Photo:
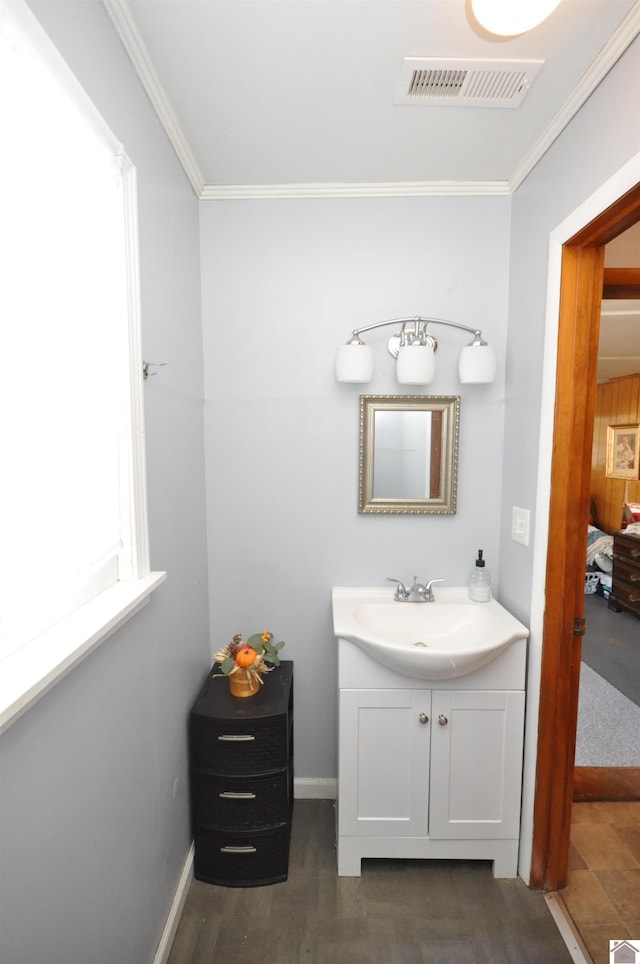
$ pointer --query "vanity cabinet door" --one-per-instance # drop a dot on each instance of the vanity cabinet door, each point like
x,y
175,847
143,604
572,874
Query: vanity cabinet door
x,y
384,762
476,762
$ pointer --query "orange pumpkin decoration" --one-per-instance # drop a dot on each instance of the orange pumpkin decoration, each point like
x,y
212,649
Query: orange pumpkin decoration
x,y
246,656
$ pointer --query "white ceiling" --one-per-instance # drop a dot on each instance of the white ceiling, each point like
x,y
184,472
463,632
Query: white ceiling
x,y
296,97
282,98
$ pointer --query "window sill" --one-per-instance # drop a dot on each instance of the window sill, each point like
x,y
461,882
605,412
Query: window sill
x,y
31,671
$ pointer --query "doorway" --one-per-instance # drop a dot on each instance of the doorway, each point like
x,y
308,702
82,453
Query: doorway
x,y
582,275
607,762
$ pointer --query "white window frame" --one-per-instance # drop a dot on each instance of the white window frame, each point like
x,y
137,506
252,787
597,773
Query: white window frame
x,y
30,671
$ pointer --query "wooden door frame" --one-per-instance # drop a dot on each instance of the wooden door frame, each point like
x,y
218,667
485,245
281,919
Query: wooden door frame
x,y
582,274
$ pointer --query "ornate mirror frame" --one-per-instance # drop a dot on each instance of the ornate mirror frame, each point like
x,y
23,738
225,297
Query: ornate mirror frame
x,y
442,483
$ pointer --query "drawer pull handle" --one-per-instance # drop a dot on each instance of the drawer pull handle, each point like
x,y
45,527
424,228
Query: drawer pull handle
x,y
442,720
235,737
230,795
238,850
423,718
635,577
635,553
634,599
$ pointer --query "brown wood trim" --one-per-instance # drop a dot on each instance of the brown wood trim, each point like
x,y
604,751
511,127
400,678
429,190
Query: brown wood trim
x,y
581,291
606,783
621,283
614,220
570,483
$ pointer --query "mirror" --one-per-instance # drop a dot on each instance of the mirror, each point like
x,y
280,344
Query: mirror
x,y
409,453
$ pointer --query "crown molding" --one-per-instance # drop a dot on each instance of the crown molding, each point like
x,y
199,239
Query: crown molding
x,y
135,47
606,59
234,192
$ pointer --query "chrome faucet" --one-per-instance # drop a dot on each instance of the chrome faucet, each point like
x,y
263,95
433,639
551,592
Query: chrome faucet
x,y
419,592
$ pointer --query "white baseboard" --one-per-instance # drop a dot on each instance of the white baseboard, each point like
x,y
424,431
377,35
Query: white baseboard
x,y
177,905
304,788
314,788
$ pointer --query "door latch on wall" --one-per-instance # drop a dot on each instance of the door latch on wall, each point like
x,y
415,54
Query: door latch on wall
x,y
148,365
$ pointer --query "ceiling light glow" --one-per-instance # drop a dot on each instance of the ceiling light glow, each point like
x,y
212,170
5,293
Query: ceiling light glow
x,y
506,18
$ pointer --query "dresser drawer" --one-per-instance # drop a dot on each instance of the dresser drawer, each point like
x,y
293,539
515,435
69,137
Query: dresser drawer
x,y
239,803
242,859
627,595
625,590
239,746
627,571
626,548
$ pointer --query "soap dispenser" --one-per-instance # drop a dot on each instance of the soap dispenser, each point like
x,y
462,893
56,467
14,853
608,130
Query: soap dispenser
x,y
480,581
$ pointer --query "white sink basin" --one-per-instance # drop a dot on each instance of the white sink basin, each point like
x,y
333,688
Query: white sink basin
x,y
450,637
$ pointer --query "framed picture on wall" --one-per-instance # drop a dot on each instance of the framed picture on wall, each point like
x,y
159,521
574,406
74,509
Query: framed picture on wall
x,y
623,452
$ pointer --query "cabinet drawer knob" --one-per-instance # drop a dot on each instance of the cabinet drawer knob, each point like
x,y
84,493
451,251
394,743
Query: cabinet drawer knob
x,y
230,795
423,718
237,850
634,599
635,577
635,553
442,720
235,737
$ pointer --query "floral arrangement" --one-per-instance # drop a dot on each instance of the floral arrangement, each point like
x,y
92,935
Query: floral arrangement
x,y
255,657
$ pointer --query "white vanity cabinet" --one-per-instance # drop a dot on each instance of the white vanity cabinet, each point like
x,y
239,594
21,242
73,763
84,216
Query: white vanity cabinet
x,y
384,763
430,769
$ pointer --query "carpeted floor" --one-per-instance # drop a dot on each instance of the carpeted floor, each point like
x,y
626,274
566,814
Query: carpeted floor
x,y
608,725
609,707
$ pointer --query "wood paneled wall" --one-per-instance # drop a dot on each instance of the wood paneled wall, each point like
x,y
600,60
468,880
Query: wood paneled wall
x,y
617,403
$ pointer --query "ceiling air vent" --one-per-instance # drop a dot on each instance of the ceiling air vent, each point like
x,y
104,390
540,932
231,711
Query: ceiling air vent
x,y
450,82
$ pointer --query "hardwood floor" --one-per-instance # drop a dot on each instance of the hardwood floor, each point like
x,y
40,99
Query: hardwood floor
x,y
397,912
603,888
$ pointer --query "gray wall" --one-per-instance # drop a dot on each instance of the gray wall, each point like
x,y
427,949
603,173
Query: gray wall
x,y
92,836
598,142
601,138
573,175
284,283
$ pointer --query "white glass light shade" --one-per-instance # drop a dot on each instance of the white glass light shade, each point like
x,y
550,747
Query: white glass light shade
x,y
477,365
506,18
415,365
354,363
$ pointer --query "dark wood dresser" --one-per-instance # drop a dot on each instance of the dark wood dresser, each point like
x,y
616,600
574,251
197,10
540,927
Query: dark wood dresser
x,y
625,590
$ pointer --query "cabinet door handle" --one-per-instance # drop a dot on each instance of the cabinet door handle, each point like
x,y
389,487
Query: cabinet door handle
x,y
442,720
230,795
635,577
237,850
634,599
235,737
423,718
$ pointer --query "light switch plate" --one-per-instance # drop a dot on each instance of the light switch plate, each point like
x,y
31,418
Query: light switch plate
x,y
520,524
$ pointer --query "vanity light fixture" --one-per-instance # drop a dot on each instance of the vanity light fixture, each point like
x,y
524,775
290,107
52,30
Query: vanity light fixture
x,y
508,18
414,349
